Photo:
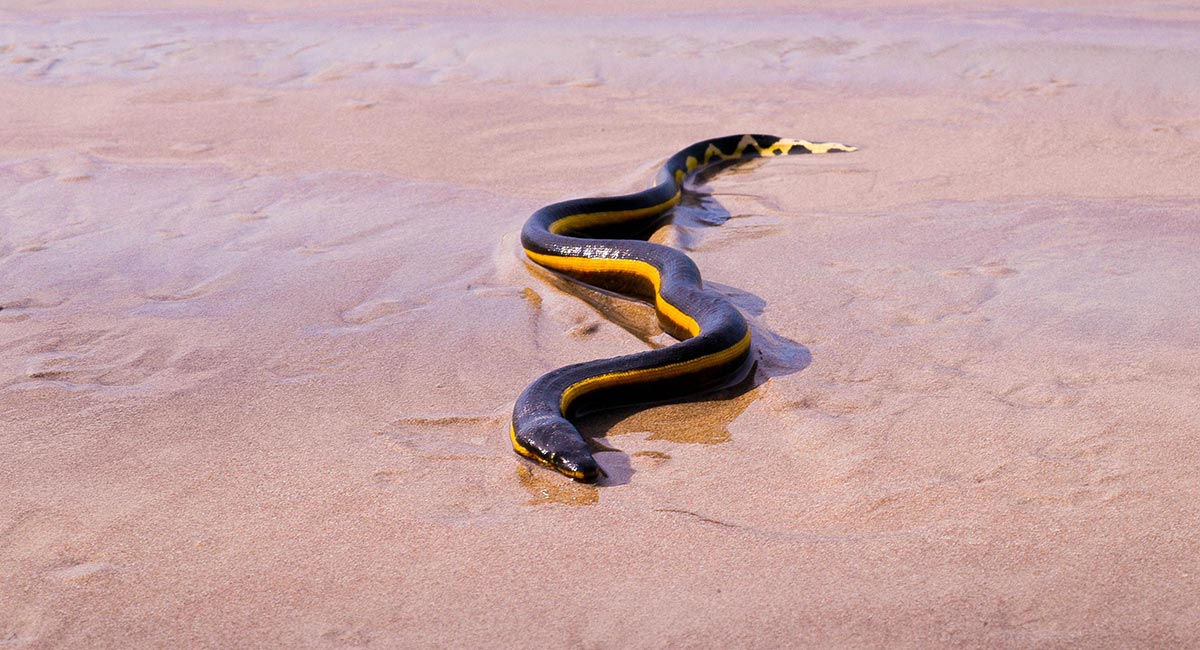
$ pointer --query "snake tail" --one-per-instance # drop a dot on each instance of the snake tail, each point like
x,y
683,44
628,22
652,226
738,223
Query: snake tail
x,y
574,238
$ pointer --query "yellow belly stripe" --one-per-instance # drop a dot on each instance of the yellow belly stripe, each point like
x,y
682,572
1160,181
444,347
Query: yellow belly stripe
x,y
671,312
521,449
668,371
592,219
634,267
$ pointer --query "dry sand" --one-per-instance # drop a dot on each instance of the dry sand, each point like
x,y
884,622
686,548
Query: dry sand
x,y
264,315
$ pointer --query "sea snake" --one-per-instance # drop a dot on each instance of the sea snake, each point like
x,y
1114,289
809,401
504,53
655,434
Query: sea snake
x,y
568,237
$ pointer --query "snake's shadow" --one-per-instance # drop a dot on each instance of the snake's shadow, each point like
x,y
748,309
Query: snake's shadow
x,y
702,418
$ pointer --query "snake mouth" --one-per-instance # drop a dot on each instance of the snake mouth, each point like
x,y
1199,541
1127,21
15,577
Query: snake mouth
x,y
584,469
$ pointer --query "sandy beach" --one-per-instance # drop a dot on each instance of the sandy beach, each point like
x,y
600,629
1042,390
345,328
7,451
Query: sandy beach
x,y
264,314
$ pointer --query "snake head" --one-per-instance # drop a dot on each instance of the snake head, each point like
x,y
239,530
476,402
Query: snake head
x,y
555,442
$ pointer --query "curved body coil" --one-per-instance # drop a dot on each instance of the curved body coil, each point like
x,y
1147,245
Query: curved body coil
x,y
714,338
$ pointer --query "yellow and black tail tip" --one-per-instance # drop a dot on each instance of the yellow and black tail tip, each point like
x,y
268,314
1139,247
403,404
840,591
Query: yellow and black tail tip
x,y
792,146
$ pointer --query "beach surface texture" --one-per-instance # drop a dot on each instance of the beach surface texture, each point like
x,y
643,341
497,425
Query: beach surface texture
x,y
264,314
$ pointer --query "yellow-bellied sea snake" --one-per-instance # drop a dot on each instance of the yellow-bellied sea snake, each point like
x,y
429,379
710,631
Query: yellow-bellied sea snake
x,y
714,338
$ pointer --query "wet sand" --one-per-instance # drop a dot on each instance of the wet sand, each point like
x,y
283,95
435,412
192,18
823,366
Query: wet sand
x,y
264,315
